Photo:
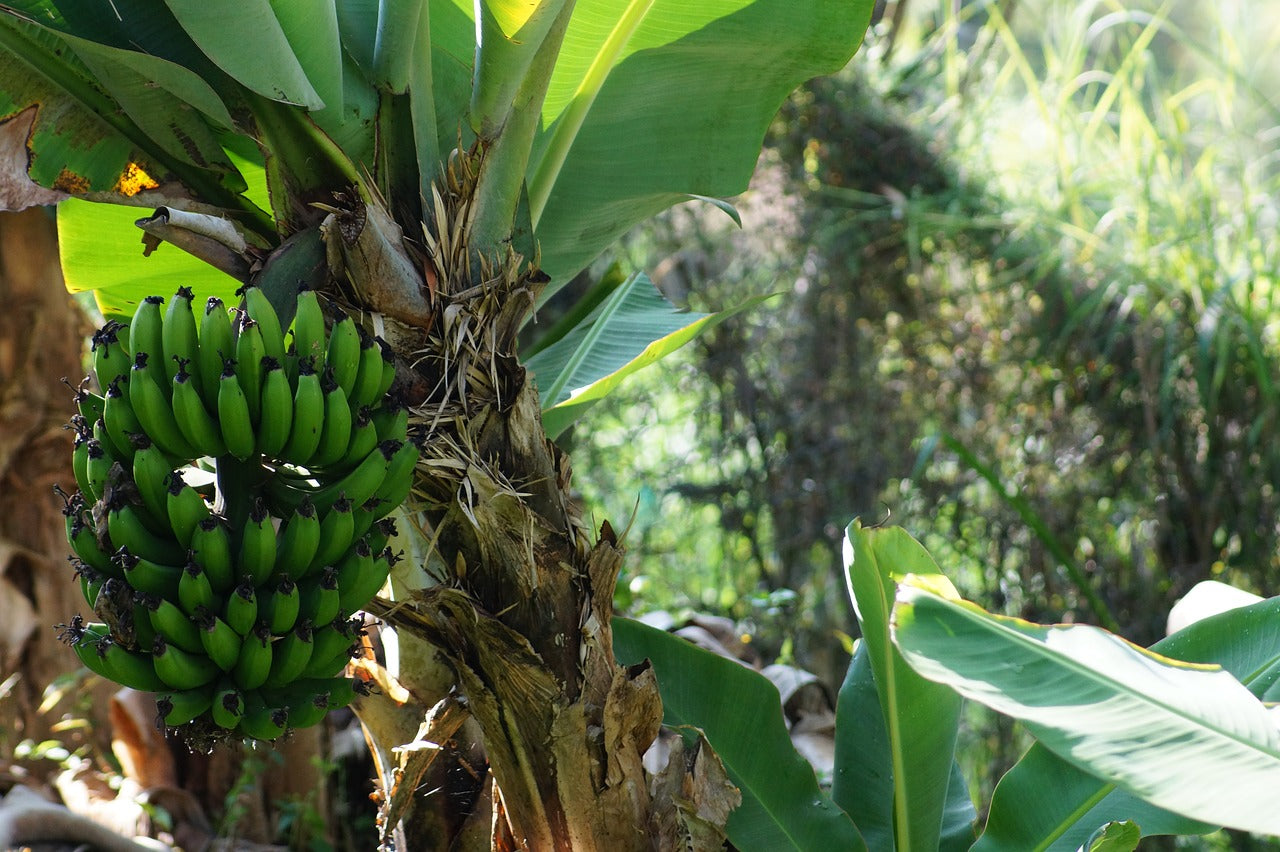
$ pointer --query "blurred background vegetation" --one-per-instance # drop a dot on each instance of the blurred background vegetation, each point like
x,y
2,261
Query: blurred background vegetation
x,y
1024,262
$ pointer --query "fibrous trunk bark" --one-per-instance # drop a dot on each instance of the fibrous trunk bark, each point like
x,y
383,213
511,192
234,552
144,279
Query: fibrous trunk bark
x,y
511,592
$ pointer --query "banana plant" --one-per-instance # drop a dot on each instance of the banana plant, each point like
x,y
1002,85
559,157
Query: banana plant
x,y
1177,739
441,168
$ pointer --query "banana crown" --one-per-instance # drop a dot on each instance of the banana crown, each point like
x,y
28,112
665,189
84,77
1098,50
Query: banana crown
x,y
234,484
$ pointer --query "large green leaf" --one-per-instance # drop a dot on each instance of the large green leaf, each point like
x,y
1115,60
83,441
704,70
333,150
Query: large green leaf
x,y
740,713
920,717
1185,737
244,38
863,777
101,251
654,100
1044,802
633,328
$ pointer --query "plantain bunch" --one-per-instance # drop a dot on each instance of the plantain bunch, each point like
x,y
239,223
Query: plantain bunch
x,y
232,509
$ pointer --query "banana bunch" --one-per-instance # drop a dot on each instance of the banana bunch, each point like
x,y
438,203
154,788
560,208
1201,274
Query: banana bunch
x,y
234,483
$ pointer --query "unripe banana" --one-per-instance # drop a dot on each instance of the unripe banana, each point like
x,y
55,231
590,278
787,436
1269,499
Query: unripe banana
x,y
91,581
84,542
178,708
178,669
146,333
383,531
397,483
306,708
242,608
320,599
261,311
227,708
93,645
211,550
194,420
178,333
111,359
299,541
261,722
392,422
97,468
154,412
253,666
257,546
366,516
151,469
220,642
185,508
194,591
217,346
361,575
176,625
149,576
80,466
233,414
127,530
343,354
90,405
361,483
364,390
279,607
388,368
336,434
277,409
308,329
248,365
119,419
332,648
291,654
147,366
114,606
308,417
364,437
336,530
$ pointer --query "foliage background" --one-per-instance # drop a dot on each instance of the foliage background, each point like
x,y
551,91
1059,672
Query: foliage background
x,y
1025,277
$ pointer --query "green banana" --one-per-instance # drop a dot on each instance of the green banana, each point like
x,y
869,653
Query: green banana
x,y
361,575
177,627
147,575
227,708
335,436
333,646
280,606
299,541
97,467
194,420
155,413
366,516
220,642
242,608
111,359
87,403
320,597
343,354
185,509
119,419
364,437
257,546
308,329
233,414
114,605
306,708
364,390
194,590
147,366
84,543
178,334
388,368
392,422
125,667
337,528
291,654
151,471
361,483
260,310
250,351
397,483
127,530
253,666
178,708
308,416
211,550
217,345
80,460
146,333
261,722
91,581
277,409
178,669
383,531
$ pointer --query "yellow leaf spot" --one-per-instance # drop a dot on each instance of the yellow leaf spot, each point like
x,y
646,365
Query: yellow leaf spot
x,y
134,180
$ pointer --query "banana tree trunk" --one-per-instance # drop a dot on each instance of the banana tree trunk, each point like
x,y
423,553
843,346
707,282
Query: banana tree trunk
x,y
513,593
